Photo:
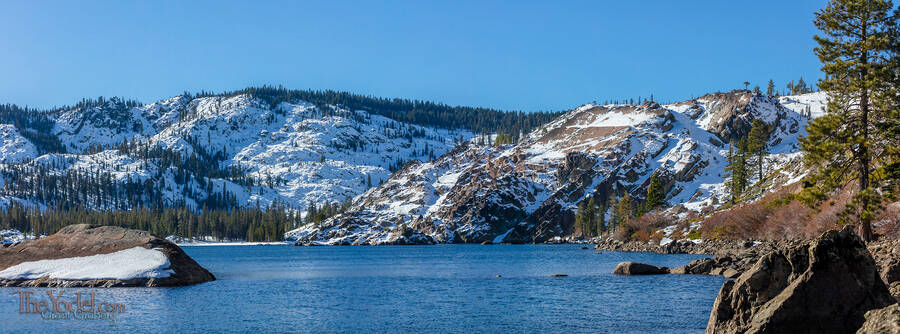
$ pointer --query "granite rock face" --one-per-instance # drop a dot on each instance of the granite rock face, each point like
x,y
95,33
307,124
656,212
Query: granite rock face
x,y
85,240
887,256
882,321
825,285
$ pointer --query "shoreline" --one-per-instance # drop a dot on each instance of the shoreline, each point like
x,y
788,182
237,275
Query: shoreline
x,y
232,243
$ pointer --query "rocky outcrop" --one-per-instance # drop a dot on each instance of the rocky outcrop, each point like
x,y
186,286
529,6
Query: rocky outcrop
x,y
684,246
634,268
84,240
732,262
882,321
825,285
886,253
725,266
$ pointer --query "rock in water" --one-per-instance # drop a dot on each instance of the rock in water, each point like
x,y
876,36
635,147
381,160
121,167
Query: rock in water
x,y
882,321
825,285
634,268
106,256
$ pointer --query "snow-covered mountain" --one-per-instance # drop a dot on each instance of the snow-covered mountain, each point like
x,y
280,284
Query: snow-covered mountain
x,y
292,152
529,191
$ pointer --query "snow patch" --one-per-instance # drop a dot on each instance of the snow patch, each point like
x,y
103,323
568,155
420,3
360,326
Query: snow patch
x,y
137,262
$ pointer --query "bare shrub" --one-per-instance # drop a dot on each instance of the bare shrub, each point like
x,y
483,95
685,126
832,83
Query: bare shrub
x,y
644,228
888,222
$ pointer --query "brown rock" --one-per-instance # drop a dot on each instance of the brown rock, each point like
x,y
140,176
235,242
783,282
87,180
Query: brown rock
x,y
86,240
822,286
882,321
634,268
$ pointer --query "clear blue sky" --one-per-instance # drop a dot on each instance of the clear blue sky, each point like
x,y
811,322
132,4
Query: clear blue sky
x,y
520,55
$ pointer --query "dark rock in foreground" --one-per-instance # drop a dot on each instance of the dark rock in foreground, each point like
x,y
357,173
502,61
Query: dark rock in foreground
x,y
825,285
882,321
635,268
84,240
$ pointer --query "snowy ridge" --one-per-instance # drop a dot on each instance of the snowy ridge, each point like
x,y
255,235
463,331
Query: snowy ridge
x,y
296,153
528,192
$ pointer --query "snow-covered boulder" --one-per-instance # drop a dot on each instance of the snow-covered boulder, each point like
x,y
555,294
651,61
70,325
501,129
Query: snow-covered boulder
x,y
107,256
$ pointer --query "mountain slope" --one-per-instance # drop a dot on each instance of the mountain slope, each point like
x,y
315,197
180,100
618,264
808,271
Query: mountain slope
x,y
530,191
220,150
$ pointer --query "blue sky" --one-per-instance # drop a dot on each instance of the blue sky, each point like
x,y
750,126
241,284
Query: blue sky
x,y
521,55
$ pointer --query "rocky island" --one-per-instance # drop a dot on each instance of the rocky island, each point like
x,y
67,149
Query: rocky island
x,y
98,256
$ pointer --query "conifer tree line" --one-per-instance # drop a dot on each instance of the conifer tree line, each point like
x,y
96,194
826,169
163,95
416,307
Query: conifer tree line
x,y
797,87
746,159
590,215
427,113
590,218
250,224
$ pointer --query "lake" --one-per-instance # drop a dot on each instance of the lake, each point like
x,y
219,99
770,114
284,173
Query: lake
x,y
365,289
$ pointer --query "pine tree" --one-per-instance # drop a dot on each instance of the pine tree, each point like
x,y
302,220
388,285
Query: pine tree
x,y
757,144
599,218
800,88
770,91
655,196
613,205
746,85
590,217
858,50
580,217
624,210
736,168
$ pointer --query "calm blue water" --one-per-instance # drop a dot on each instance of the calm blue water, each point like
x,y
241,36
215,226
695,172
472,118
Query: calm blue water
x,y
444,288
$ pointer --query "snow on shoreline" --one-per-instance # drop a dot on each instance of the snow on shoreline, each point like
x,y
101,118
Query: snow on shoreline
x,y
210,241
231,243
137,262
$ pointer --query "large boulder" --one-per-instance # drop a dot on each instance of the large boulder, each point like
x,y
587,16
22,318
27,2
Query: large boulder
x,y
882,321
825,285
106,256
635,268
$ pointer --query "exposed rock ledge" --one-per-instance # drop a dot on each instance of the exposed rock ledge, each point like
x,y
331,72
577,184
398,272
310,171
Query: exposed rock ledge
x,y
678,246
81,244
825,285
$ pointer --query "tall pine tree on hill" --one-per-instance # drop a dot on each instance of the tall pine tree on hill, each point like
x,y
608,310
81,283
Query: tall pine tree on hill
x,y
757,144
858,50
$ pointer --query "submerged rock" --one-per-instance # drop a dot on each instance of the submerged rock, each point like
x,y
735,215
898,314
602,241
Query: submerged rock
x,y
84,245
635,268
825,285
882,321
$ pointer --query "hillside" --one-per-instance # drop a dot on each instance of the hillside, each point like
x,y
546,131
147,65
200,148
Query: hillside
x,y
250,148
530,191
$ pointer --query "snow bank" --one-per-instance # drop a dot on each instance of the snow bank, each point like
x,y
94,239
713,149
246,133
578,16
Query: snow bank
x,y
137,262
